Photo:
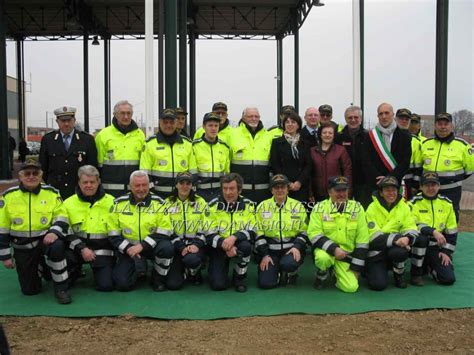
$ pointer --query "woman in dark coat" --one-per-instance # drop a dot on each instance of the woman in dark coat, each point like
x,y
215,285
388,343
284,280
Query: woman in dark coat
x,y
23,150
328,160
289,156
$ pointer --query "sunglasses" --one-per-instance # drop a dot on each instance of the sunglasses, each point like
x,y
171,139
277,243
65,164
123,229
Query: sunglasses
x,y
30,173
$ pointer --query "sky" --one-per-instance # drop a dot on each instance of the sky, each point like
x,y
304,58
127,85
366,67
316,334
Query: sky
x,y
399,66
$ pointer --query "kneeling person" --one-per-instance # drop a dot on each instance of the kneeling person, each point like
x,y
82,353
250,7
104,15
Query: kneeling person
x,y
439,230
34,223
338,233
87,211
392,231
139,230
281,240
232,220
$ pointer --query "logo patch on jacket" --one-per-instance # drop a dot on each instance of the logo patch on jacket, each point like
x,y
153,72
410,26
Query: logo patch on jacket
x,y
44,220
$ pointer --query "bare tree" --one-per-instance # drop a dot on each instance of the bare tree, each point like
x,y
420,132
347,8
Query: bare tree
x,y
463,121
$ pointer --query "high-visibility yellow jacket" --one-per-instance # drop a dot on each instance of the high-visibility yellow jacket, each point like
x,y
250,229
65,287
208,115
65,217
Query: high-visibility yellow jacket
x,y
281,227
212,161
250,156
451,159
188,219
27,216
436,214
118,155
131,222
163,161
388,224
237,219
342,226
88,223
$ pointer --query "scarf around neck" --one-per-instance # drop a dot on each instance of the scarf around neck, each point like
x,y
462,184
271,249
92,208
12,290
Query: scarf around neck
x,y
387,133
293,141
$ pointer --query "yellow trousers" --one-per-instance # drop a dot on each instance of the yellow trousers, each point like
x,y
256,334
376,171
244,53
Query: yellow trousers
x,y
346,281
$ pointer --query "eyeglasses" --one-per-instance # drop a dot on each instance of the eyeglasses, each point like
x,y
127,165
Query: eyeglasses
x,y
353,118
30,173
122,113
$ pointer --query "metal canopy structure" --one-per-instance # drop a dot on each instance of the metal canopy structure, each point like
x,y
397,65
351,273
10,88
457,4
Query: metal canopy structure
x,y
67,19
188,20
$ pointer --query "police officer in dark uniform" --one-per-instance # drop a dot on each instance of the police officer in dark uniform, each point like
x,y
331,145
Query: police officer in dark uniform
x,y
64,151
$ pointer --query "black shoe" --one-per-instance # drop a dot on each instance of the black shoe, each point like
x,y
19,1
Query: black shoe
x,y
292,279
283,278
195,279
416,281
240,285
158,287
63,297
318,283
399,281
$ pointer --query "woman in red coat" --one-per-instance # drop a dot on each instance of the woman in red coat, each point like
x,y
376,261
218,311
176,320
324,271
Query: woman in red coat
x,y
328,160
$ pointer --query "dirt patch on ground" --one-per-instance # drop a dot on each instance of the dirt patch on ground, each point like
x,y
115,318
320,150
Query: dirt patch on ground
x,y
379,332
434,331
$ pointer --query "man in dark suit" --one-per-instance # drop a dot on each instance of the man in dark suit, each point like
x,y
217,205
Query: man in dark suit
x,y
309,133
64,151
388,149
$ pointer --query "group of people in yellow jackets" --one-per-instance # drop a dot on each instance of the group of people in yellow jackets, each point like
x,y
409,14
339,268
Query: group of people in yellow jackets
x,y
207,202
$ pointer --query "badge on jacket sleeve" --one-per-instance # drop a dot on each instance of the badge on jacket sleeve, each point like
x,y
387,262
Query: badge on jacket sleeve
x,y
371,225
2,203
44,220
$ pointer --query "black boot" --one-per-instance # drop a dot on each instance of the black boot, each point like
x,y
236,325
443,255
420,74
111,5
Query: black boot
x,y
399,280
416,280
239,284
62,296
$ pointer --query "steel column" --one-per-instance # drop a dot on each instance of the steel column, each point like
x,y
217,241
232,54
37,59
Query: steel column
x,y
297,69
20,88
183,74
171,9
107,103
86,79
161,76
441,81
192,83
279,77
4,166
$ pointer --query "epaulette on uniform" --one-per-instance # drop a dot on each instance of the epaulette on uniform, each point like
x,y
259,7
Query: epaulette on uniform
x,y
416,198
199,140
416,137
150,138
51,132
442,197
11,189
427,140
273,127
213,201
122,198
461,140
222,142
186,138
157,198
50,188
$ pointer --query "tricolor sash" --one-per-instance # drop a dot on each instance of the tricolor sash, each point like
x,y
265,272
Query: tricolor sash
x,y
382,150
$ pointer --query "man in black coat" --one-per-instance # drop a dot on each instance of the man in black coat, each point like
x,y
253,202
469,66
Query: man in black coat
x,y
353,137
388,149
64,151
309,133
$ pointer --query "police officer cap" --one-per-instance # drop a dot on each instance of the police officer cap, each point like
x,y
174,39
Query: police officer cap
x,y
279,179
30,163
219,105
389,181
184,176
339,183
168,113
211,116
287,109
415,117
325,109
403,112
429,177
180,111
65,111
444,116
